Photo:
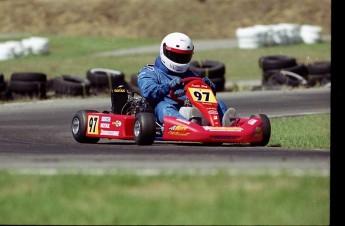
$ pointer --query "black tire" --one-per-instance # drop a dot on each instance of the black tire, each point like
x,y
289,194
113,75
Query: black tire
x,y
79,125
71,85
144,128
208,68
276,62
5,91
101,78
299,69
29,88
3,86
266,130
269,75
220,84
319,68
2,78
29,76
134,80
320,79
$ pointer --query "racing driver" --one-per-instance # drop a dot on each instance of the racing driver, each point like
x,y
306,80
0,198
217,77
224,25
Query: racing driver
x,y
170,67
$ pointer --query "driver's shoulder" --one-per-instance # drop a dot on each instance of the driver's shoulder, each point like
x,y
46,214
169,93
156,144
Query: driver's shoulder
x,y
148,67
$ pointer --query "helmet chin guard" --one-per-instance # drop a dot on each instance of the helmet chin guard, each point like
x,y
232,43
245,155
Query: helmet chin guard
x,y
176,52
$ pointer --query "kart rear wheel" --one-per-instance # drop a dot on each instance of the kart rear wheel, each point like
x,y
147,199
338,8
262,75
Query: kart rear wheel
x,y
144,128
79,125
266,130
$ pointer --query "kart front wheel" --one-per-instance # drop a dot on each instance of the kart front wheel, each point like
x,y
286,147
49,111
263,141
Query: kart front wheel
x,y
144,129
79,125
266,130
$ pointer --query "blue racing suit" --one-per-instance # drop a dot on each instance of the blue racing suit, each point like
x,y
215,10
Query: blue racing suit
x,y
153,82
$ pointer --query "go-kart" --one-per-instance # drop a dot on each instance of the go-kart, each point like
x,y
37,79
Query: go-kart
x,y
135,121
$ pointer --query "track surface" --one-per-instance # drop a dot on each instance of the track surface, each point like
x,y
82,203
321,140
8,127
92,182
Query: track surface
x,y
36,137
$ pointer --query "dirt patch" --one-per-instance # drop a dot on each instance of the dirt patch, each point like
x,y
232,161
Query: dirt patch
x,y
201,19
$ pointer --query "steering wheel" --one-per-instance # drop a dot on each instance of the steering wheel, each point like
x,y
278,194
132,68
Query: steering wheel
x,y
185,81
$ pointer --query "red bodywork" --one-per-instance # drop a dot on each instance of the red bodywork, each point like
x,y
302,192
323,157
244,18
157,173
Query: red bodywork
x,y
246,130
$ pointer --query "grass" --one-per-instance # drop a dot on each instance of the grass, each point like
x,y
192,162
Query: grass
x,y
305,132
282,199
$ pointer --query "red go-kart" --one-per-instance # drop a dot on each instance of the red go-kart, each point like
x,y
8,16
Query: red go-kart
x,y
136,121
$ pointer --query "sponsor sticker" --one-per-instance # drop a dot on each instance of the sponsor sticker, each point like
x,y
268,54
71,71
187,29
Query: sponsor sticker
x,y
178,133
252,121
178,128
105,125
117,123
232,129
110,133
105,119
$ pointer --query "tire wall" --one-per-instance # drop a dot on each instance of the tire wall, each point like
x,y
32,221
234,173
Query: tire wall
x,y
285,70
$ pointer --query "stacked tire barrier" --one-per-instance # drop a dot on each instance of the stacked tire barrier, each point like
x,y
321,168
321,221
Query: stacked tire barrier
x,y
102,79
31,84
69,85
214,70
280,34
36,85
278,70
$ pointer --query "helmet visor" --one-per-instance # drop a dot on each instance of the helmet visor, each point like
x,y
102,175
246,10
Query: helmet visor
x,y
177,55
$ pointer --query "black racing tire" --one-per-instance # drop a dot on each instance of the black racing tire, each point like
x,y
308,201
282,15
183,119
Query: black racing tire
x,y
208,68
266,130
29,76
79,126
71,86
144,128
276,62
29,88
104,78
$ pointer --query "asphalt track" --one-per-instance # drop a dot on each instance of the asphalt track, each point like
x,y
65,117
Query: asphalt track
x,y
36,137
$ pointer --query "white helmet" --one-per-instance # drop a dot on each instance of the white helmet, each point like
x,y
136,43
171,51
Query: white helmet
x,y
176,52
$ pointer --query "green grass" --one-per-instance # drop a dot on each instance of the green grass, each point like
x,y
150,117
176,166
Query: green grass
x,y
75,55
284,199
305,132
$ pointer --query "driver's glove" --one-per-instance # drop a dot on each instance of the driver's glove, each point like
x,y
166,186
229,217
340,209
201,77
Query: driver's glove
x,y
180,94
209,83
176,83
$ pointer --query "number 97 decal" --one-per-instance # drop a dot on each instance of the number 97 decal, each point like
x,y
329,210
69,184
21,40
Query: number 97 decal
x,y
202,95
92,125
